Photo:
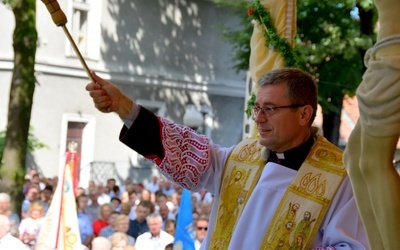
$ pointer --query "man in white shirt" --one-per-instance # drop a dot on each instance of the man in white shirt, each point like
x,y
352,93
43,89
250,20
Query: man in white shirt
x,y
7,241
103,198
168,188
155,239
153,185
201,232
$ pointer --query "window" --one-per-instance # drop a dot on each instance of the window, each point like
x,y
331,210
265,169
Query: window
x,y
84,18
80,25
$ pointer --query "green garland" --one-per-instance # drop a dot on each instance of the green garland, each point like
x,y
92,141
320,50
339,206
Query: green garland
x,y
272,39
250,103
261,15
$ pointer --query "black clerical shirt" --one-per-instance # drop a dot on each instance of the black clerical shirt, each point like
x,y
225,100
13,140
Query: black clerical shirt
x,y
293,158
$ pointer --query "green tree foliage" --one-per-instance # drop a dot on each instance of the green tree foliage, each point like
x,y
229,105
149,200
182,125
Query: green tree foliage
x,y
330,45
332,37
12,169
33,142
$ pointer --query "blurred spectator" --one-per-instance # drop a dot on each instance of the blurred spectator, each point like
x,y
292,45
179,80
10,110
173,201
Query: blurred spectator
x,y
111,183
139,188
101,243
201,231
29,227
102,221
176,200
31,196
93,209
170,226
27,184
161,183
7,241
84,221
133,201
79,191
103,196
125,208
160,197
165,214
5,209
53,181
204,209
195,216
115,192
203,196
156,238
168,188
169,246
153,185
127,183
30,174
91,185
139,226
122,226
119,241
146,195
45,195
124,196
116,204
35,180
110,229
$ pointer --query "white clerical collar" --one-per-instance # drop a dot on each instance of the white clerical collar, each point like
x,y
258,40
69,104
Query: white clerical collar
x,y
281,156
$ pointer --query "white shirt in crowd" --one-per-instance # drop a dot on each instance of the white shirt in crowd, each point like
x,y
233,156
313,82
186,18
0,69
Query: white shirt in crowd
x,y
10,242
146,241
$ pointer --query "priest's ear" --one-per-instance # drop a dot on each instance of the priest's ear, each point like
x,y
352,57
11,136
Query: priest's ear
x,y
306,115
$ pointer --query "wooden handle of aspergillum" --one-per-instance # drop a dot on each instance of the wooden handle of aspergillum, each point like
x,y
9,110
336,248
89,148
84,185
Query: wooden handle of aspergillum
x,y
57,14
60,19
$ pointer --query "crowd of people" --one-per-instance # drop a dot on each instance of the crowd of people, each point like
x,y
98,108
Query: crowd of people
x,y
110,216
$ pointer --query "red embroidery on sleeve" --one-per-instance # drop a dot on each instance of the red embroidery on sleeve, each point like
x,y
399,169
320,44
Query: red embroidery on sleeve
x,y
186,152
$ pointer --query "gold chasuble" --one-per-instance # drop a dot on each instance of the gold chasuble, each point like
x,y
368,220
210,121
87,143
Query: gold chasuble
x,y
312,190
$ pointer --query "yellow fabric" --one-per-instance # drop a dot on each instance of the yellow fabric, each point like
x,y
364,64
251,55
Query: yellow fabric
x,y
312,189
283,17
61,229
240,176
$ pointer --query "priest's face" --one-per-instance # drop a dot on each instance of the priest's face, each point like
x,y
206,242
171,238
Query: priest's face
x,y
282,128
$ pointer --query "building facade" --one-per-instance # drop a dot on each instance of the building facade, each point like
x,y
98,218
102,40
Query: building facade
x,y
166,55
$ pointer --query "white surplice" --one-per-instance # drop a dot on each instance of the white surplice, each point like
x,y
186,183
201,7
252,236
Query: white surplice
x,y
194,162
342,227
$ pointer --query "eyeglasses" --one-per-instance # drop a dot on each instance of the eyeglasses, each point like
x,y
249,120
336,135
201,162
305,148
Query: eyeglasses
x,y
270,110
202,228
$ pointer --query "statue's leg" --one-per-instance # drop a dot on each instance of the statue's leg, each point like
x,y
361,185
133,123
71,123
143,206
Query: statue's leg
x,y
383,184
376,183
360,186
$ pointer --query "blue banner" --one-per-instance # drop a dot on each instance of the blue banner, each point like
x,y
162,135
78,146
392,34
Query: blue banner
x,y
184,234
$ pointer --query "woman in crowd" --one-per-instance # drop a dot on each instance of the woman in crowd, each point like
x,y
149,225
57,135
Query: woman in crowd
x,y
102,221
30,226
